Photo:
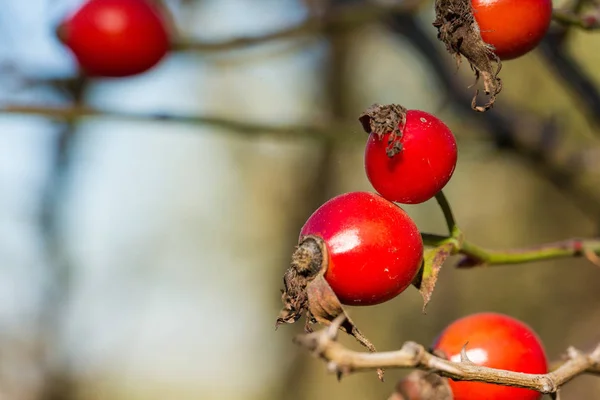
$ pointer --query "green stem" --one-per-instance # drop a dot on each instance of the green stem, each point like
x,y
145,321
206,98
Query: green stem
x,y
547,251
448,215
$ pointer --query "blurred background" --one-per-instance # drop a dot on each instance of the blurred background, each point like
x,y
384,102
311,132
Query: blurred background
x,y
142,249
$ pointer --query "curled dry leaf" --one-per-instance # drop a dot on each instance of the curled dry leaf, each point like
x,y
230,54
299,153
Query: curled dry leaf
x,y
460,33
433,259
307,292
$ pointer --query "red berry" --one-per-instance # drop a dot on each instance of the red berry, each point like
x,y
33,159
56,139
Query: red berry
x,y
375,249
495,341
116,38
422,167
513,27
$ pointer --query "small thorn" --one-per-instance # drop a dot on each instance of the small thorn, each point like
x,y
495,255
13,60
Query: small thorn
x,y
463,354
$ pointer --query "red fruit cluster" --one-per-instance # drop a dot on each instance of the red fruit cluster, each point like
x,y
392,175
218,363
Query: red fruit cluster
x,y
361,249
116,38
369,250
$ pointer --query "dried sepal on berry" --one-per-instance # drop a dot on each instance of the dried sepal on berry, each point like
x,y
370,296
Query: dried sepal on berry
x,y
460,33
307,292
382,119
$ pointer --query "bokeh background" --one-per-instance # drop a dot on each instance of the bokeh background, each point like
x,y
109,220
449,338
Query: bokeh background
x,y
142,250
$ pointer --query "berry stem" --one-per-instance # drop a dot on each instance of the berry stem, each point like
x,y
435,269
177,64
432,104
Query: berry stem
x,y
478,256
448,215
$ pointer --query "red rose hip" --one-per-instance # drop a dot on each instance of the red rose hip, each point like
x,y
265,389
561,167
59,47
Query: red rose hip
x,y
513,27
116,38
410,157
496,341
374,248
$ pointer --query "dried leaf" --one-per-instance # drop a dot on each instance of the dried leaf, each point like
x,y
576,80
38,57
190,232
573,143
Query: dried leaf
x,y
433,259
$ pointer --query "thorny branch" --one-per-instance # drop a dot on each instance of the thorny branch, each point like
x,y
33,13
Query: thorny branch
x,y
343,361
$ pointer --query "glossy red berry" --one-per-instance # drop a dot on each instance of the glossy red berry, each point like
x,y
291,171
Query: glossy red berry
x,y
513,27
375,249
496,341
116,38
423,165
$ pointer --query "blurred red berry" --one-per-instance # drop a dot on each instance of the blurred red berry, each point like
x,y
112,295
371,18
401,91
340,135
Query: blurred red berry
x,y
375,249
513,27
423,165
116,38
496,341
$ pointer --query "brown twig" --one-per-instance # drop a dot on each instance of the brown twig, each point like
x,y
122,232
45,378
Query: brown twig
x,y
340,18
341,360
569,18
70,113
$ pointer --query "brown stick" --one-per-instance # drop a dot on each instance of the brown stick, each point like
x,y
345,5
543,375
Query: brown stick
x,y
342,360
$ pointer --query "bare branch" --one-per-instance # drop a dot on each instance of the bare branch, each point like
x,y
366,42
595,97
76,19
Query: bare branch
x,y
569,18
69,113
341,360
339,18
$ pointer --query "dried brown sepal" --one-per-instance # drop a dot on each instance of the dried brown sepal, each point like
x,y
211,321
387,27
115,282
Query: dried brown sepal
x,y
307,292
307,261
433,259
422,385
460,33
382,119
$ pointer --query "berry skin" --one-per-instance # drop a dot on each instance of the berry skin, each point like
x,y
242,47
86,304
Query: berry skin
x,y
496,341
513,27
116,38
375,249
422,167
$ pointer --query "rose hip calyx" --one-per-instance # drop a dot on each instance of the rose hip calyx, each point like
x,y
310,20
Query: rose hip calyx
x,y
381,119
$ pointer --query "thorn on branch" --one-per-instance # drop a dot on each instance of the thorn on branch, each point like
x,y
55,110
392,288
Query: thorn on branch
x,y
464,358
